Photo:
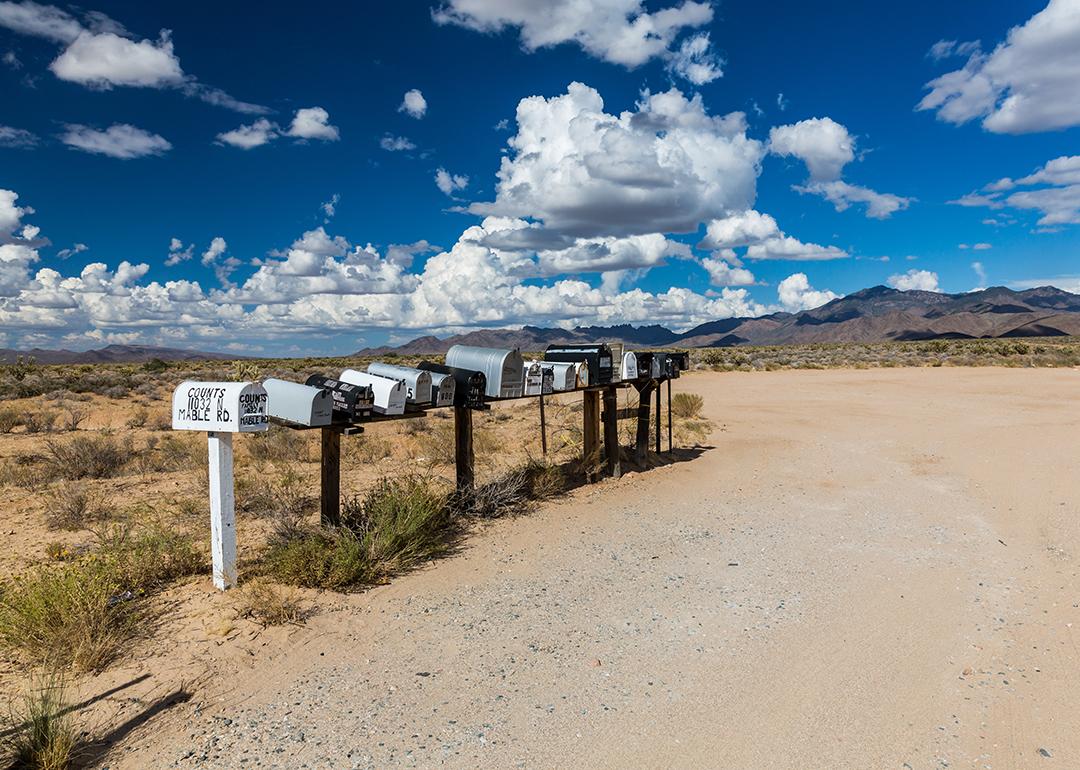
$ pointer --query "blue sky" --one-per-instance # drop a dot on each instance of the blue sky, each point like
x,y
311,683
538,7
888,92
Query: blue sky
x,y
225,177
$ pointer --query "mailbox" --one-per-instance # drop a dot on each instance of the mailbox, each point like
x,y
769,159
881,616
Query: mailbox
x,y
662,365
504,370
547,382
563,375
443,389
534,379
299,404
469,386
682,362
219,407
617,350
596,357
350,402
648,365
582,373
389,392
629,366
417,381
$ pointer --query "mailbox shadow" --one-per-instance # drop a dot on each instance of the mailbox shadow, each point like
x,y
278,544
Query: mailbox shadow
x,y
93,752
575,476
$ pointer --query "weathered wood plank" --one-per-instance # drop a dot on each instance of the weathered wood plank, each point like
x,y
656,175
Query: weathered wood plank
x,y
330,479
611,432
463,448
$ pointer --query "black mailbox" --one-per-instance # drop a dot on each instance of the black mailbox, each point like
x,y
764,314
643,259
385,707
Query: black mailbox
x,y
645,364
664,365
596,357
351,402
469,387
682,361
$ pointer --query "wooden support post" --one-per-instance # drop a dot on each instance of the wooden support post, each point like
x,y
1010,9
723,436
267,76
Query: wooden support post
x,y
222,509
543,426
658,417
641,443
330,481
590,431
611,431
669,444
463,448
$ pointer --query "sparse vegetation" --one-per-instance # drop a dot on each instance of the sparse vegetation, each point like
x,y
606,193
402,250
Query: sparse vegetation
x,y
268,604
89,457
10,419
511,490
686,405
39,422
44,735
74,506
278,445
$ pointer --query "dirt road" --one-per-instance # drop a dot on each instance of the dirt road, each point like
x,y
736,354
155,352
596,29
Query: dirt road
x,y
867,569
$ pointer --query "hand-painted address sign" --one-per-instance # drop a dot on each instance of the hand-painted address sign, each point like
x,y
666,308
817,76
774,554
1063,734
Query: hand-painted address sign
x,y
222,407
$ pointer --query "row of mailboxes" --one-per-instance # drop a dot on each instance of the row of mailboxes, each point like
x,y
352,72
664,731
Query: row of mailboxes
x,y
503,370
390,394
597,359
351,402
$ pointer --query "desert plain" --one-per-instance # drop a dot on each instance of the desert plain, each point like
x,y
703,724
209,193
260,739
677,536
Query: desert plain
x,y
849,569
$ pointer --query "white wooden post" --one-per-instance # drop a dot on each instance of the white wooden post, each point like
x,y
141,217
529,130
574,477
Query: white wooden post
x,y
222,509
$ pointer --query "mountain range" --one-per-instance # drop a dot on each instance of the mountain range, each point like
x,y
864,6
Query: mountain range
x,y
872,315
876,314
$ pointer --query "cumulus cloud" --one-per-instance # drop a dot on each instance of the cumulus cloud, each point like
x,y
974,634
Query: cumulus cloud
x,y
307,123
826,146
120,140
1054,191
178,252
413,103
448,183
1030,82
914,280
313,123
617,31
796,294
17,138
99,53
722,273
763,239
329,208
665,167
392,143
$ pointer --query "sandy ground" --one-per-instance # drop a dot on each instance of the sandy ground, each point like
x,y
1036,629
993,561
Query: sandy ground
x,y
864,569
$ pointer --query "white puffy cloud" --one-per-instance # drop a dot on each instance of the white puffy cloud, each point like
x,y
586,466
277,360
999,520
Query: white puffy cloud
x,y
329,208
98,52
796,294
616,31
582,172
610,254
980,273
120,140
10,214
448,183
826,146
722,273
914,280
178,252
1055,193
413,103
1030,82
261,132
16,138
392,143
313,123
763,239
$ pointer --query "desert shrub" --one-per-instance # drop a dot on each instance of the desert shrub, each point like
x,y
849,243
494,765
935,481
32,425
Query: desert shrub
x,y
75,505
24,472
73,416
138,417
511,491
160,421
181,453
115,391
267,604
143,559
88,457
366,448
321,559
10,419
155,366
285,499
686,405
43,732
40,422
415,426
278,445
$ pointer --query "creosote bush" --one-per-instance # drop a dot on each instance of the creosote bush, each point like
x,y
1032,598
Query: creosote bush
x,y
88,457
686,405
75,505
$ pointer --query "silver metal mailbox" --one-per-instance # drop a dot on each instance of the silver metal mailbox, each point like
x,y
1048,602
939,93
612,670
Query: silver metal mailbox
x,y
629,368
563,375
443,388
504,369
617,349
417,381
389,393
534,379
299,404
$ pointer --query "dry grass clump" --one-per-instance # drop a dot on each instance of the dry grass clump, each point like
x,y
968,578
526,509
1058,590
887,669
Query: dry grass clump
x,y
10,419
138,417
43,733
394,526
43,421
285,499
686,405
89,457
81,613
267,604
24,471
511,490
278,445
74,506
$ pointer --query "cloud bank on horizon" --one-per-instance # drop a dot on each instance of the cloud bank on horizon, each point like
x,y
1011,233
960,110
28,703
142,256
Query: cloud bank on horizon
x,y
652,213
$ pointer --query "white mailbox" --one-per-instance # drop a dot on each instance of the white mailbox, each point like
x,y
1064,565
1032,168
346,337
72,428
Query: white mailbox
x,y
219,407
299,404
618,349
629,370
390,394
582,373
564,374
417,381
534,378
443,388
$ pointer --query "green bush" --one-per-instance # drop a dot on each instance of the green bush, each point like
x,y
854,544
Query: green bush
x,y
44,736
89,457
686,405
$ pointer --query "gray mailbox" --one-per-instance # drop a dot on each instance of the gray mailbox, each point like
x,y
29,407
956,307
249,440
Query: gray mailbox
x,y
617,350
443,389
298,404
417,381
503,369
389,392
534,379
563,375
